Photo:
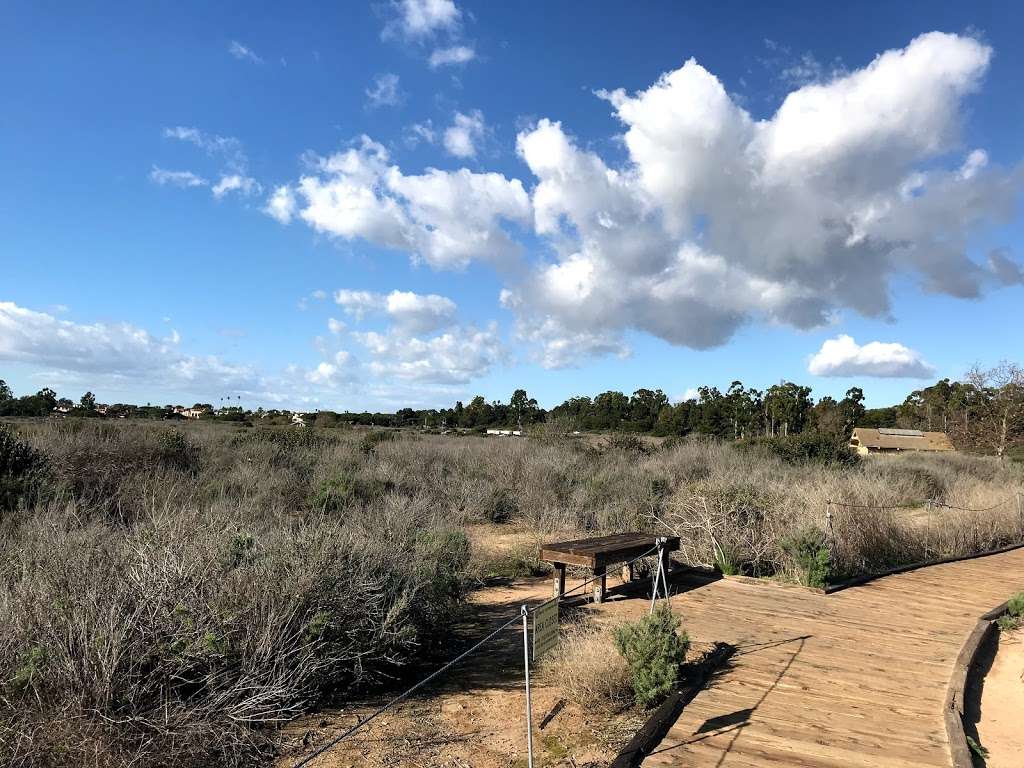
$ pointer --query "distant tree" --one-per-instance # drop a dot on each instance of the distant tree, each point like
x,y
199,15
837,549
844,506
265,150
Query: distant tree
x,y
523,408
5,392
644,407
996,420
88,402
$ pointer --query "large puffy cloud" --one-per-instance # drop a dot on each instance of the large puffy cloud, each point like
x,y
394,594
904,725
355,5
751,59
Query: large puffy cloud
x,y
715,219
114,352
842,356
718,219
446,218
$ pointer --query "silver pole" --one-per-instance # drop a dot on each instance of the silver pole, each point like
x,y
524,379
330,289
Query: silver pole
x,y
529,708
657,576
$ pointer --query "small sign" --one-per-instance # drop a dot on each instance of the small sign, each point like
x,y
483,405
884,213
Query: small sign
x,y
545,629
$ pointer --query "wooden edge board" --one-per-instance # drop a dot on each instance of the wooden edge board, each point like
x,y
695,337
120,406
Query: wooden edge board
x,y
664,717
963,669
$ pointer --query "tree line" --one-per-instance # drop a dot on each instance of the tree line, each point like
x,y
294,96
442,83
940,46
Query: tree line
x,y
984,411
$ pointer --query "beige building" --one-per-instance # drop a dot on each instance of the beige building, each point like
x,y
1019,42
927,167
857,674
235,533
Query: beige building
x,y
884,440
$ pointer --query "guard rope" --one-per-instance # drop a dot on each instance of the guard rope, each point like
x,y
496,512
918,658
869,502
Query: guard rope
x,y
329,745
911,505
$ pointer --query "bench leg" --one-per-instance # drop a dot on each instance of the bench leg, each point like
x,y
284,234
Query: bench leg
x,y
559,579
600,584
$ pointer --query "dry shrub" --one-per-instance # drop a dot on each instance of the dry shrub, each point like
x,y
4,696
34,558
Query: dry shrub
x,y
588,668
173,588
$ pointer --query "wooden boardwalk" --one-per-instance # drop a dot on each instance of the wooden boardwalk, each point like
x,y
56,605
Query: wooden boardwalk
x,y
857,678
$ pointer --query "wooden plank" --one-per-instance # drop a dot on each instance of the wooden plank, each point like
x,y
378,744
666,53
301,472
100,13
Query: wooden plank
x,y
856,678
604,550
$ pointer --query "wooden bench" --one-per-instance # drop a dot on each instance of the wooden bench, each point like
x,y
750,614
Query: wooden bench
x,y
599,552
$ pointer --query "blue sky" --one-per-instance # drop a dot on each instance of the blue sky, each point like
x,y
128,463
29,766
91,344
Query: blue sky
x,y
193,193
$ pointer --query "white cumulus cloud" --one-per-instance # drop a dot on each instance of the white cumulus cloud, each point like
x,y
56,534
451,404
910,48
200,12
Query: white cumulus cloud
x,y
113,352
417,19
281,205
446,218
842,356
713,219
461,137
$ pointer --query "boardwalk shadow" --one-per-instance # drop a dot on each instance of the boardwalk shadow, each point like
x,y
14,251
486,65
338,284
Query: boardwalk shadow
x,y
975,688
734,722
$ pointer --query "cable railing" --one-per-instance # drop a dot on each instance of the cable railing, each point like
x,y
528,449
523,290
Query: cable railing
x,y
521,615
924,503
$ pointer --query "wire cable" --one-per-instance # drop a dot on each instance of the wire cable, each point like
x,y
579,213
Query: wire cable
x,y
437,673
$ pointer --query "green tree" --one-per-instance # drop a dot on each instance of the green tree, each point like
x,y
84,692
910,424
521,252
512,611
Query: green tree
x,y
5,392
523,408
88,402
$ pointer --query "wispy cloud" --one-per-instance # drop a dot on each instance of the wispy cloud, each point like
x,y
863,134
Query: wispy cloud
x,y
243,52
183,179
384,92
456,54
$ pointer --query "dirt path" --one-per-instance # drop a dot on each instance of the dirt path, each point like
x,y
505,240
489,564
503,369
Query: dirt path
x,y
1000,729
857,678
475,717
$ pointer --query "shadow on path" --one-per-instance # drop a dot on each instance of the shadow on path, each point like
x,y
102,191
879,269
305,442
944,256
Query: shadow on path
x,y
735,722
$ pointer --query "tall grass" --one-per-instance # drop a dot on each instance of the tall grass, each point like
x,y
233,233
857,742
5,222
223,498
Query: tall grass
x,y
169,594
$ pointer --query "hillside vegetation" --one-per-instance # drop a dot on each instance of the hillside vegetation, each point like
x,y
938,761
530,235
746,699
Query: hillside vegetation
x,y
171,593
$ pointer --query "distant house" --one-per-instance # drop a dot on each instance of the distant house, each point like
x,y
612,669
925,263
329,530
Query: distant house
x,y
299,419
194,413
505,432
885,440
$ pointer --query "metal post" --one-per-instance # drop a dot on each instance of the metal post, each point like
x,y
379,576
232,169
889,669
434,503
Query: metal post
x,y
657,576
928,534
529,708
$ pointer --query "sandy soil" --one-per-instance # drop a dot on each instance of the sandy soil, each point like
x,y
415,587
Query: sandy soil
x,y
475,717
1002,704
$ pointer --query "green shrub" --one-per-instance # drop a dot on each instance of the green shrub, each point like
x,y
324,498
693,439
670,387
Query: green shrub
x,y
806,447
175,451
976,749
1015,605
654,650
372,439
1007,623
628,444
22,467
341,491
291,437
807,549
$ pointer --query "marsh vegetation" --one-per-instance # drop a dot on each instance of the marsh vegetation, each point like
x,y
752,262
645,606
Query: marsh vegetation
x,y
171,594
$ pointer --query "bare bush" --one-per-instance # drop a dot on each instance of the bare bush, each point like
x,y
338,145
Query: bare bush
x,y
587,667
171,592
